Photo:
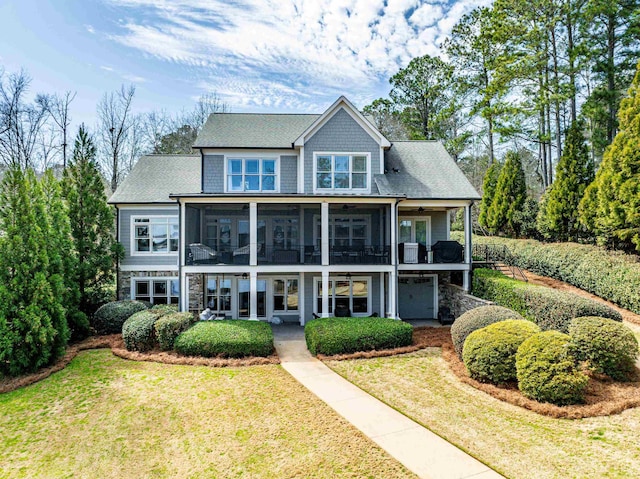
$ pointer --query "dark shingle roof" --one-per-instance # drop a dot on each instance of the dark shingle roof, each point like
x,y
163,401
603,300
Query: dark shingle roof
x,y
252,130
423,170
154,177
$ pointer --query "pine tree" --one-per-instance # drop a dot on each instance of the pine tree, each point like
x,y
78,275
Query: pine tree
x,y
27,301
611,204
92,222
63,258
509,197
558,216
488,191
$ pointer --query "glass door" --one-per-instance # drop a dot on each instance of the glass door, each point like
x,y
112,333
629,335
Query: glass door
x,y
415,230
244,298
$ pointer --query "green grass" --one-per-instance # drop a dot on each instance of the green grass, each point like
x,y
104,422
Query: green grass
x,y
105,417
518,443
229,338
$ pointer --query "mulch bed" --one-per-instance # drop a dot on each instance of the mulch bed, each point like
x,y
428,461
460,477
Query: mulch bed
x,y
116,344
604,396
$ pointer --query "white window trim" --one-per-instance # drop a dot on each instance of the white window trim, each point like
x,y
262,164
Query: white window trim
x,y
132,239
243,156
413,228
150,280
341,190
286,293
332,279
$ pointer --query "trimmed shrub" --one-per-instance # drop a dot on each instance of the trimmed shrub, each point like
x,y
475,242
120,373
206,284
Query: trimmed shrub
x,y
349,335
165,308
138,331
547,371
611,275
109,318
490,353
169,327
228,338
475,319
608,346
548,308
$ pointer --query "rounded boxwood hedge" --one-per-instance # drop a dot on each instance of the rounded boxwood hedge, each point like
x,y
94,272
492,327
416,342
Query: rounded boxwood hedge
x,y
234,338
169,327
110,317
138,331
490,353
547,372
475,319
608,346
349,335
547,307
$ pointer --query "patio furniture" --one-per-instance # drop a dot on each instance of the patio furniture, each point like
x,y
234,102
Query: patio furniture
x,y
200,253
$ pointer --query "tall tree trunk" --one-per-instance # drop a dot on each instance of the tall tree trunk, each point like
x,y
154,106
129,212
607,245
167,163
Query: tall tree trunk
x,y
611,84
571,55
556,86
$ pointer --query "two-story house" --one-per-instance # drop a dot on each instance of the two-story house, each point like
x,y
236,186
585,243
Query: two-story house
x,y
294,215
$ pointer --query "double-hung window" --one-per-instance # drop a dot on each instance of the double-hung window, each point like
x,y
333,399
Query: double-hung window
x,y
341,172
157,234
251,174
285,295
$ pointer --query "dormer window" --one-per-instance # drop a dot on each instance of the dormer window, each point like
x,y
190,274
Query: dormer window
x,y
251,175
341,172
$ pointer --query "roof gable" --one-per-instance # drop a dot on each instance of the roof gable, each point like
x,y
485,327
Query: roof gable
x,y
342,104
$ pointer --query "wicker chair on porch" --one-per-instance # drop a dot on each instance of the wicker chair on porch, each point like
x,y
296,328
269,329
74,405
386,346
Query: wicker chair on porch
x,y
200,253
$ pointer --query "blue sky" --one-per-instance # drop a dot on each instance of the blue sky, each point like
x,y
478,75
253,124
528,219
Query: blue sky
x,y
257,55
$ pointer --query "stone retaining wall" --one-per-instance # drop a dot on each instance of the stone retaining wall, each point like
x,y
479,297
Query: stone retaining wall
x,y
458,300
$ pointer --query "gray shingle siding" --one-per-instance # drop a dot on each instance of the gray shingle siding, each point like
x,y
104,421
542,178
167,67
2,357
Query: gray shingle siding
x,y
213,174
288,174
125,238
438,226
340,134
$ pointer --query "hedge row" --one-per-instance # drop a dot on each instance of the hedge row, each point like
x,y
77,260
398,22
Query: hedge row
x,y
138,331
611,275
548,308
109,318
348,335
169,327
227,338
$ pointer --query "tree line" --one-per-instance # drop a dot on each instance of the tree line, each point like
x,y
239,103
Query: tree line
x,y
57,257
34,132
580,206
516,75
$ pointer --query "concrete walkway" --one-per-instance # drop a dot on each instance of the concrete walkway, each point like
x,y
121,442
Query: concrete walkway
x,y
418,449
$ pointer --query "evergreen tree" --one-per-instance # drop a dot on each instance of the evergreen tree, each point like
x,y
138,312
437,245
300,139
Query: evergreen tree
x,y
55,270
63,258
558,216
611,205
509,197
488,192
92,222
27,329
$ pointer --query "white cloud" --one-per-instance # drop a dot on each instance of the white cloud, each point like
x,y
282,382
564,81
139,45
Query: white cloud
x,y
270,53
90,28
106,68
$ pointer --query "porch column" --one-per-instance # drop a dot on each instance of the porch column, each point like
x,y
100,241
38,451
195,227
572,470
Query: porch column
x,y
182,277
392,304
253,296
394,227
468,247
324,241
325,294
253,234
382,294
301,309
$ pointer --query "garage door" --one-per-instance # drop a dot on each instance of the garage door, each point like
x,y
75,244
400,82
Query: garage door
x,y
415,297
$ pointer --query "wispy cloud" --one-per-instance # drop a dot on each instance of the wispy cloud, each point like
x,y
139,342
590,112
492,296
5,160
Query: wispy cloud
x,y
288,54
106,68
90,28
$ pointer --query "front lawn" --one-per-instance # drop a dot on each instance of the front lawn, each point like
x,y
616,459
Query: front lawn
x,y
109,418
514,441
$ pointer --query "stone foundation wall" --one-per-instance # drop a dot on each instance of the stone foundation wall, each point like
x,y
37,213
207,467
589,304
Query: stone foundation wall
x,y
124,280
196,292
458,300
